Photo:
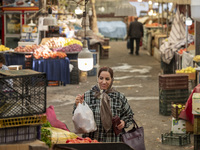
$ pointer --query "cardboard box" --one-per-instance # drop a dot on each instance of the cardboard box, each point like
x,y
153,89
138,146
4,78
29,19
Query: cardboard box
x,y
196,103
26,145
189,127
15,67
178,126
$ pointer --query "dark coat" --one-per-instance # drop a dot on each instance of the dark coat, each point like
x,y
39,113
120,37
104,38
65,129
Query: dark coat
x,y
135,30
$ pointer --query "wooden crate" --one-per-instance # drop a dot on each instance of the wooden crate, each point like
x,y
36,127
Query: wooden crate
x,y
104,52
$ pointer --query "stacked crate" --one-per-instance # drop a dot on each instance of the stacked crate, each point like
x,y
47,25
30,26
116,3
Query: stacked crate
x,y
74,74
172,88
22,105
93,72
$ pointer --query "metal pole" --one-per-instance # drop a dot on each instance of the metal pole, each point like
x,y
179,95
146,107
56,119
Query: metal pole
x,y
186,28
158,13
197,37
167,20
162,17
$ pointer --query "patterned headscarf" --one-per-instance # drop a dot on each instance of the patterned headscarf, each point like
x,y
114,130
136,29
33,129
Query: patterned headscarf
x,y
105,111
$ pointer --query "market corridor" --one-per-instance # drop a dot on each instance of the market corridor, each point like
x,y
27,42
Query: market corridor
x,y
137,78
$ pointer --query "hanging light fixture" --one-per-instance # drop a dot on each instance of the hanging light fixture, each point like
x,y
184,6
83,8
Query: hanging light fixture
x,y
188,21
85,57
125,9
49,20
78,11
32,24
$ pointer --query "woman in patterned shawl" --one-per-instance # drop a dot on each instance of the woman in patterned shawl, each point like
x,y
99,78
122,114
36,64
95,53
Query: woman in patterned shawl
x,y
106,102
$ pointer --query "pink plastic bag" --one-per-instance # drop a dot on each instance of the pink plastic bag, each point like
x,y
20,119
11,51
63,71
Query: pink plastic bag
x,y
51,117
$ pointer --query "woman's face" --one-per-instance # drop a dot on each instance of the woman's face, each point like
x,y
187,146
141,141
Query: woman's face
x,y
104,80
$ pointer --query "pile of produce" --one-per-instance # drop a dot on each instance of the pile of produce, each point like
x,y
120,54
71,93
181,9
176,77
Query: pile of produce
x,y
186,70
182,50
51,135
71,41
3,48
69,48
196,58
54,42
179,107
27,48
45,53
81,140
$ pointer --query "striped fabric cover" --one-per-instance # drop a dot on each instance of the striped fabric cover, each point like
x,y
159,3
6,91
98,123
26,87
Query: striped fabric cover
x,y
177,38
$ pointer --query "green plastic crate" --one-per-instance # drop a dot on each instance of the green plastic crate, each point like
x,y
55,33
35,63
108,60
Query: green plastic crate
x,y
176,139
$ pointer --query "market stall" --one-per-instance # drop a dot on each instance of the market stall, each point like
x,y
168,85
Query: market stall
x,y
55,69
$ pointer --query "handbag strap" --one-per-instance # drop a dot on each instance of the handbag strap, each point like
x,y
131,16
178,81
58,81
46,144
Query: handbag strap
x,y
134,126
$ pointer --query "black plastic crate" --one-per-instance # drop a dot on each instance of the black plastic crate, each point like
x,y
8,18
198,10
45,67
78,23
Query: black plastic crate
x,y
72,56
93,72
196,142
174,94
175,139
165,106
22,95
18,134
74,74
28,61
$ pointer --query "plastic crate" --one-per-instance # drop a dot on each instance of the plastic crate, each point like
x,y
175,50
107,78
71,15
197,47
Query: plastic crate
x,y
196,124
18,134
72,56
173,81
176,109
165,106
23,121
22,94
53,83
28,61
93,72
175,139
196,142
74,74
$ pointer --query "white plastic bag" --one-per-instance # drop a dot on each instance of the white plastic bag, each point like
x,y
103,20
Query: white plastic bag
x,y
83,119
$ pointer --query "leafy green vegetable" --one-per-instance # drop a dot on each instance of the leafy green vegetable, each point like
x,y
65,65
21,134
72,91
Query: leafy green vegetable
x,y
46,136
47,124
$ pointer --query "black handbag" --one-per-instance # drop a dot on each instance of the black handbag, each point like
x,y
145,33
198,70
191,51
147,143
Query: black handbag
x,y
134,137
128,44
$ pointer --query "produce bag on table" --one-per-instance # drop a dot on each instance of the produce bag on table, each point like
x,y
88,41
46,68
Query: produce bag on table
x,y
56,136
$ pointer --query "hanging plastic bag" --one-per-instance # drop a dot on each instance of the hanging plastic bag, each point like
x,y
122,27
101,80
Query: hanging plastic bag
x,y
83,119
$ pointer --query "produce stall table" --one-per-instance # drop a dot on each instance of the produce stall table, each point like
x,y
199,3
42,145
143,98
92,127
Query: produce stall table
x,y
55,69
92,146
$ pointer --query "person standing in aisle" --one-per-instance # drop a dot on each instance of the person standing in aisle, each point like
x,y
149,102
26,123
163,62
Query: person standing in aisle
x,y
106,103
135,32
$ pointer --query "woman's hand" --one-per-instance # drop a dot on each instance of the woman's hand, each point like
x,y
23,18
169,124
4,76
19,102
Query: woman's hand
x,y
121,125
79,99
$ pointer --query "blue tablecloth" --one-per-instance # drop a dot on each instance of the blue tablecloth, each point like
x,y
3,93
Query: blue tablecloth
x,y
15,59
55,69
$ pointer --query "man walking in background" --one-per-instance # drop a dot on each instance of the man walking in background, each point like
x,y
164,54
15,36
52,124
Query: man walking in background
x,y
135,32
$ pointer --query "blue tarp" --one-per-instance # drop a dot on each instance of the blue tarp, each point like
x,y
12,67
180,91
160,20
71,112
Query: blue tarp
x,y
112,29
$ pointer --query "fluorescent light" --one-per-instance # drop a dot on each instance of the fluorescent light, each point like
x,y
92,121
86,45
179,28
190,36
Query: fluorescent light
x,y
85,58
